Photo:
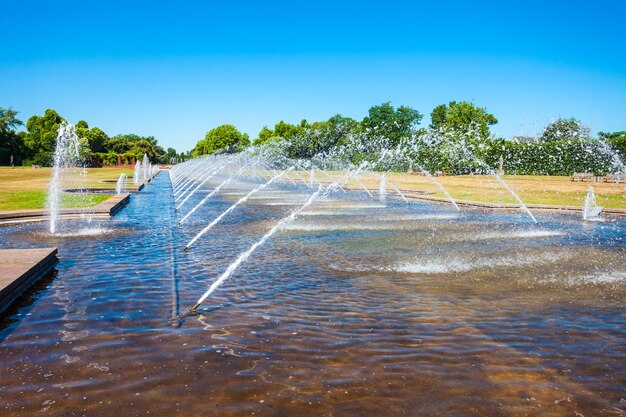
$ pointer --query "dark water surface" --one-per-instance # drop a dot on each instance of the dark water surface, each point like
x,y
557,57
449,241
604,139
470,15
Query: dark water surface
x,y
359,308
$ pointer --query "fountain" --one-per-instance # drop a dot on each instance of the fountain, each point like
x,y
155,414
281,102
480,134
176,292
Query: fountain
x,y
441,187
212,193
284,222
282,277
145,167
121,184
66,156
201,182
382,188
465,149
231,208
591,211
137,175
360,183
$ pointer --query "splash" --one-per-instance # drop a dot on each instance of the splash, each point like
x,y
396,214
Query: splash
x,y
66,156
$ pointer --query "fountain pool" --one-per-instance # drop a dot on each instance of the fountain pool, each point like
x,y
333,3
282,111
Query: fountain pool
x,y
358,307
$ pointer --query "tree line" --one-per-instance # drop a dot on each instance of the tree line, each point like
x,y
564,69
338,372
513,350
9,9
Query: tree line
x,y
35,145
456,130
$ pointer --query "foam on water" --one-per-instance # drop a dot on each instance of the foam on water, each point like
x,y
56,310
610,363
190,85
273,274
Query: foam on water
x,y
520,234
443,266
456,265
88,231
307,227
592,278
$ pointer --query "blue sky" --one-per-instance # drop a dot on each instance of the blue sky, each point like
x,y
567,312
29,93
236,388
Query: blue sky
x,y
177,69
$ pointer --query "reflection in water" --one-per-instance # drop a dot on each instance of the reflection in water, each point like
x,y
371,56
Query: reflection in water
x,y
359,308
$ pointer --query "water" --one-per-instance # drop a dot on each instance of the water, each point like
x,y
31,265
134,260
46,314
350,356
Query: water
x,y
363,187
120,187
357,308
278,226
138,174
145,166
467,152
66,156
616,162
591,211
382,188
231,208
215,191
441,187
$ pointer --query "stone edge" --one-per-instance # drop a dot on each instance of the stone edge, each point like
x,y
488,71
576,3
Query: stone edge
x,y
20,284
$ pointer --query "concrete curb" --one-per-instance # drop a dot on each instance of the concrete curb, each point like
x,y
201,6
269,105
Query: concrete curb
x,y
104,210
544,208
20,269
512,207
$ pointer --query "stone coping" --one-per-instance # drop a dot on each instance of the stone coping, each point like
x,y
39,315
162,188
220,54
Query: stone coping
x,y
545,208
104,210
20,269
513,207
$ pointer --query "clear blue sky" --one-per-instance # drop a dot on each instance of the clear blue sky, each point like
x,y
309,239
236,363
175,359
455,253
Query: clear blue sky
x,y
175,69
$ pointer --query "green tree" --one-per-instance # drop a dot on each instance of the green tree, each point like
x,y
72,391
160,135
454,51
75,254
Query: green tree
x,y
462,117
266,135
11,143
143,146
393,124
9,120
617,141
94,137
117,144
97,139
562,129
42,132
171,155
282,130
225,137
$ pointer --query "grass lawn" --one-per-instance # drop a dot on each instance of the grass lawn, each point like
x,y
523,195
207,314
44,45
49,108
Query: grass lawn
x,y
23,188
547,190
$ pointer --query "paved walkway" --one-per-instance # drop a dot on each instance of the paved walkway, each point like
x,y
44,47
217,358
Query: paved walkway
x,y
21,268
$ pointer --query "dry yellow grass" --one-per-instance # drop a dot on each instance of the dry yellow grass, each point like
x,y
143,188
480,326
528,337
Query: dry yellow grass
x,y
549,190
25,188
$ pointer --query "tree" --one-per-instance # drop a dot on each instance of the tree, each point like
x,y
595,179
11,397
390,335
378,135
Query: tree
x,y
11,143
42,132
281,130
438,116
144,147
617,141
385,121
462,117
170,154
118,144
225,137
8,120
94,137
562,129
97,139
